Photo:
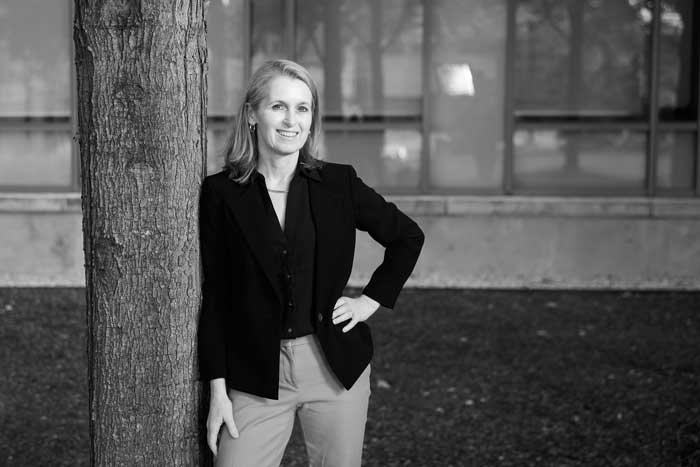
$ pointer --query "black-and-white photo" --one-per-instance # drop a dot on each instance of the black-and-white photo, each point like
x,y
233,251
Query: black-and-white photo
x,y
345,233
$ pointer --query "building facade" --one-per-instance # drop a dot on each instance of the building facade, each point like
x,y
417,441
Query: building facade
x,y
538,143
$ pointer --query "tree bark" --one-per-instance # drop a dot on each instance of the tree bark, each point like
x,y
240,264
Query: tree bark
x,y
141,72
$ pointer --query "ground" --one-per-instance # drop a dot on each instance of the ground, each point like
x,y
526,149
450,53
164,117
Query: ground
x,y
459,378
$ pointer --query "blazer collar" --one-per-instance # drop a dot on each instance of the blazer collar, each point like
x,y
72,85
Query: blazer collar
x,y
309,172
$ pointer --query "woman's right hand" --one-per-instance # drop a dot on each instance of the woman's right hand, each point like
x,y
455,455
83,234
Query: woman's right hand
x,y
220,411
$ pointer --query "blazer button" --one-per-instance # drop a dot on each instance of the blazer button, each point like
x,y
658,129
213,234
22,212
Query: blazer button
x,y
320,317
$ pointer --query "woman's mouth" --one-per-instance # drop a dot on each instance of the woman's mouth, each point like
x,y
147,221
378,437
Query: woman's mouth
x,y
287,134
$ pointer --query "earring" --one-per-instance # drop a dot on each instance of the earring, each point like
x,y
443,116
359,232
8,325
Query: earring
x,y
252,127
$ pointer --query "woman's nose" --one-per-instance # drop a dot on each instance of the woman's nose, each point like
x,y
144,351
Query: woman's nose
x,y
289,118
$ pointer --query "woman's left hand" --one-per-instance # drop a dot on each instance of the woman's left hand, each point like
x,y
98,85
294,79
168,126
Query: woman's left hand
x,y
353,309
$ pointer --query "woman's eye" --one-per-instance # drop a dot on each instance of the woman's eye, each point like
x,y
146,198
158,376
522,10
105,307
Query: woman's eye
x,y
277,107
303,109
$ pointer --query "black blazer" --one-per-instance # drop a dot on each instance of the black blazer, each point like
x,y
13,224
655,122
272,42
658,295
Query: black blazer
x,y
242,304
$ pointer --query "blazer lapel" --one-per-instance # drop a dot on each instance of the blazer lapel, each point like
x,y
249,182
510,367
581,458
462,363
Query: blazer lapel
x,y
249,212
327,215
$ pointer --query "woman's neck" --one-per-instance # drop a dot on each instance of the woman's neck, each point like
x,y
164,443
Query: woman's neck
x,y
278,170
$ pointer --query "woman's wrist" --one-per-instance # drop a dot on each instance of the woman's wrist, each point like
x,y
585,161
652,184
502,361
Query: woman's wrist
x,y
217,387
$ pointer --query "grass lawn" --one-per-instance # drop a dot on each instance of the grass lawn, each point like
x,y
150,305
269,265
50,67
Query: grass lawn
x,y
460,377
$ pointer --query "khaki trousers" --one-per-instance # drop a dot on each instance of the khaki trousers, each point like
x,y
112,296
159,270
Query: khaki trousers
x,y
332,418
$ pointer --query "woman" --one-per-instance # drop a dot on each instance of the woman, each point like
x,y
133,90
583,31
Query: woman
x,y
277,227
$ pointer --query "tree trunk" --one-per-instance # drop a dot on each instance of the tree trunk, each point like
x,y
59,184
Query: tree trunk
x,y
141,71
376,51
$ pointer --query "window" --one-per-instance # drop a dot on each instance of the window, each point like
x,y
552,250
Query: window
x,y
604,97
467,71
36,151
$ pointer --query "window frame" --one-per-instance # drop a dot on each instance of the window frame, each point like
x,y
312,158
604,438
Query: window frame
x,y
652,125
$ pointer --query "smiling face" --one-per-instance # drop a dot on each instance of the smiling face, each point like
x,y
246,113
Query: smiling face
x,y
283,117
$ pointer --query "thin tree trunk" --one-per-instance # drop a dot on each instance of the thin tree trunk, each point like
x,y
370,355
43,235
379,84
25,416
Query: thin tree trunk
x,y
333,58
376,51
141,69
376,106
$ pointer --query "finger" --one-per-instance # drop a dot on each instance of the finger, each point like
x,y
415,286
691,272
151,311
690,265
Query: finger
x,y
350,325
232,430
339,302
342,309
342,317
231,426
212,435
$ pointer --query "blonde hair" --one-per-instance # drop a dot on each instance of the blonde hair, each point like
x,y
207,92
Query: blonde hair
x,y
241,149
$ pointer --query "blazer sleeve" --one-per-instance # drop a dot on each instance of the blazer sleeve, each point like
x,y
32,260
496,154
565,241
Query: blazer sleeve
x,y
401,237
210,339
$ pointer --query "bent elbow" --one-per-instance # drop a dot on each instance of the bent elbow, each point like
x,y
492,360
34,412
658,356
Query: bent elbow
x,y
417,236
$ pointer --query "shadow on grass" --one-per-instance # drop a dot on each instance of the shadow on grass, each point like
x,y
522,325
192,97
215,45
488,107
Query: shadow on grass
x,y
511,378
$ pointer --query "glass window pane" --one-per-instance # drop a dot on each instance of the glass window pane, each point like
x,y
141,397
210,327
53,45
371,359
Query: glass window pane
x,y
268,31
675,168
678,70
383,158
581,57
570,161
366,56
225,27
35,58
35,158
466,82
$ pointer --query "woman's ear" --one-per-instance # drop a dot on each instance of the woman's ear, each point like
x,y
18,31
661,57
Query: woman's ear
x,y
249,114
